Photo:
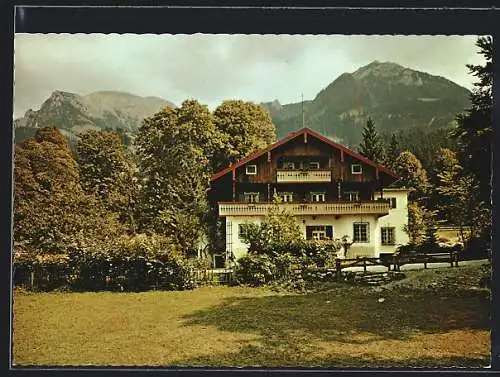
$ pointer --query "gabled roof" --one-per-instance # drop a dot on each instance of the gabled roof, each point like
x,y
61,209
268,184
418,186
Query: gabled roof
x,y
292,136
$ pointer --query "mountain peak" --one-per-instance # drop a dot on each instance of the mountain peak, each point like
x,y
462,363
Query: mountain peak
x,y
380,69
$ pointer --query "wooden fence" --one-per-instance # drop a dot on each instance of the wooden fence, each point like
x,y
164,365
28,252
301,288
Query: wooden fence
x,y
396,261
50,278
212,275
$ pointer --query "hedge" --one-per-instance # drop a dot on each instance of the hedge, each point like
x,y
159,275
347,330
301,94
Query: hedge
x,y
135,264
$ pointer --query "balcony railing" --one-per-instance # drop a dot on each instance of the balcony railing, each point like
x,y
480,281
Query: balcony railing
x,y
318,208
294,176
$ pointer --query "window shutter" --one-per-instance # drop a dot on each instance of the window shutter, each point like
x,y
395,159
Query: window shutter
x,y
329,231
309,232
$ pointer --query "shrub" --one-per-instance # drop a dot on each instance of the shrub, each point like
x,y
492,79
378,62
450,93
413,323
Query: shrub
x,y
320,253
48,271
254,270
135,263
477,247
408,249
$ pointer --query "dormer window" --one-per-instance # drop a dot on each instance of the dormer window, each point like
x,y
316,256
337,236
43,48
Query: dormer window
x,y
314,165
251,169
356,169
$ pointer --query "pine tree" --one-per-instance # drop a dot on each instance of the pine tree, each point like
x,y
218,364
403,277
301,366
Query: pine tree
x,y
475,134
371,146
393,152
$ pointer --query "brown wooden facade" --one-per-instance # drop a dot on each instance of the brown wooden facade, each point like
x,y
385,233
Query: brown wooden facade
x,y
303,163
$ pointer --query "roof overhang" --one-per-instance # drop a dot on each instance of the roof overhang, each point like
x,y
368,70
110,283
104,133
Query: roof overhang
x,y
308,132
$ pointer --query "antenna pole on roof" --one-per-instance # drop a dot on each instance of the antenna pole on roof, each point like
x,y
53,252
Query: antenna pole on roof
x,y
302,106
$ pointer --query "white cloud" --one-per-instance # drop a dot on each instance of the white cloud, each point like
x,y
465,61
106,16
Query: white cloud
x,y
212,68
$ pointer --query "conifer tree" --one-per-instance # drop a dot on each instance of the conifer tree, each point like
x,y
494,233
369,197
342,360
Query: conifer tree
x,y
474,134
371,146
393,152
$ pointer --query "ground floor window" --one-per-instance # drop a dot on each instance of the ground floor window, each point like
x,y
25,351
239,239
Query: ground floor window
x,y
361,232
387,236
242,230
319,232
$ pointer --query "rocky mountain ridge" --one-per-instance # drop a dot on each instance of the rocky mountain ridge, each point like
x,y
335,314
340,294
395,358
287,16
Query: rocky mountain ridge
x,y
73,113
394,96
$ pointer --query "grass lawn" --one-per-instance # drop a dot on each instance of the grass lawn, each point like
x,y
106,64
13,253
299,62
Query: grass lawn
x,y
338,325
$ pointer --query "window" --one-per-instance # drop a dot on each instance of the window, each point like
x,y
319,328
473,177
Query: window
x,y
242,229
393,202
314,165
286,196
251,197
361,232
317,196
319,232
356,169
251,169
318,235
387,236
351,195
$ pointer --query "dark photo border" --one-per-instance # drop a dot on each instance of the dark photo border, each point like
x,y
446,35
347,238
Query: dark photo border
x,y
243,17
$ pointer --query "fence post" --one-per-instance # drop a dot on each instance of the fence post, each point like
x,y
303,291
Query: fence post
x,y
425,262
455,257
451,258
364,265
338,268
32,279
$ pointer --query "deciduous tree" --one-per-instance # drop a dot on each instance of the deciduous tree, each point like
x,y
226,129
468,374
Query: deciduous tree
x,y
247,127
412,174
175,147
51,209
107,171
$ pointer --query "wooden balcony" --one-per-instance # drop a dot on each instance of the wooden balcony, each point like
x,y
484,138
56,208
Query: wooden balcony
x,y
306,176
317,208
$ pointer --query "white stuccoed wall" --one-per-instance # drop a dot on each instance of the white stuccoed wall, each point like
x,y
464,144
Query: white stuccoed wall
x,y
397,218
239,248
342,225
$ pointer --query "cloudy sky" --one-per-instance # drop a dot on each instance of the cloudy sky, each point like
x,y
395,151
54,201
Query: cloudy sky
x,y
212,68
